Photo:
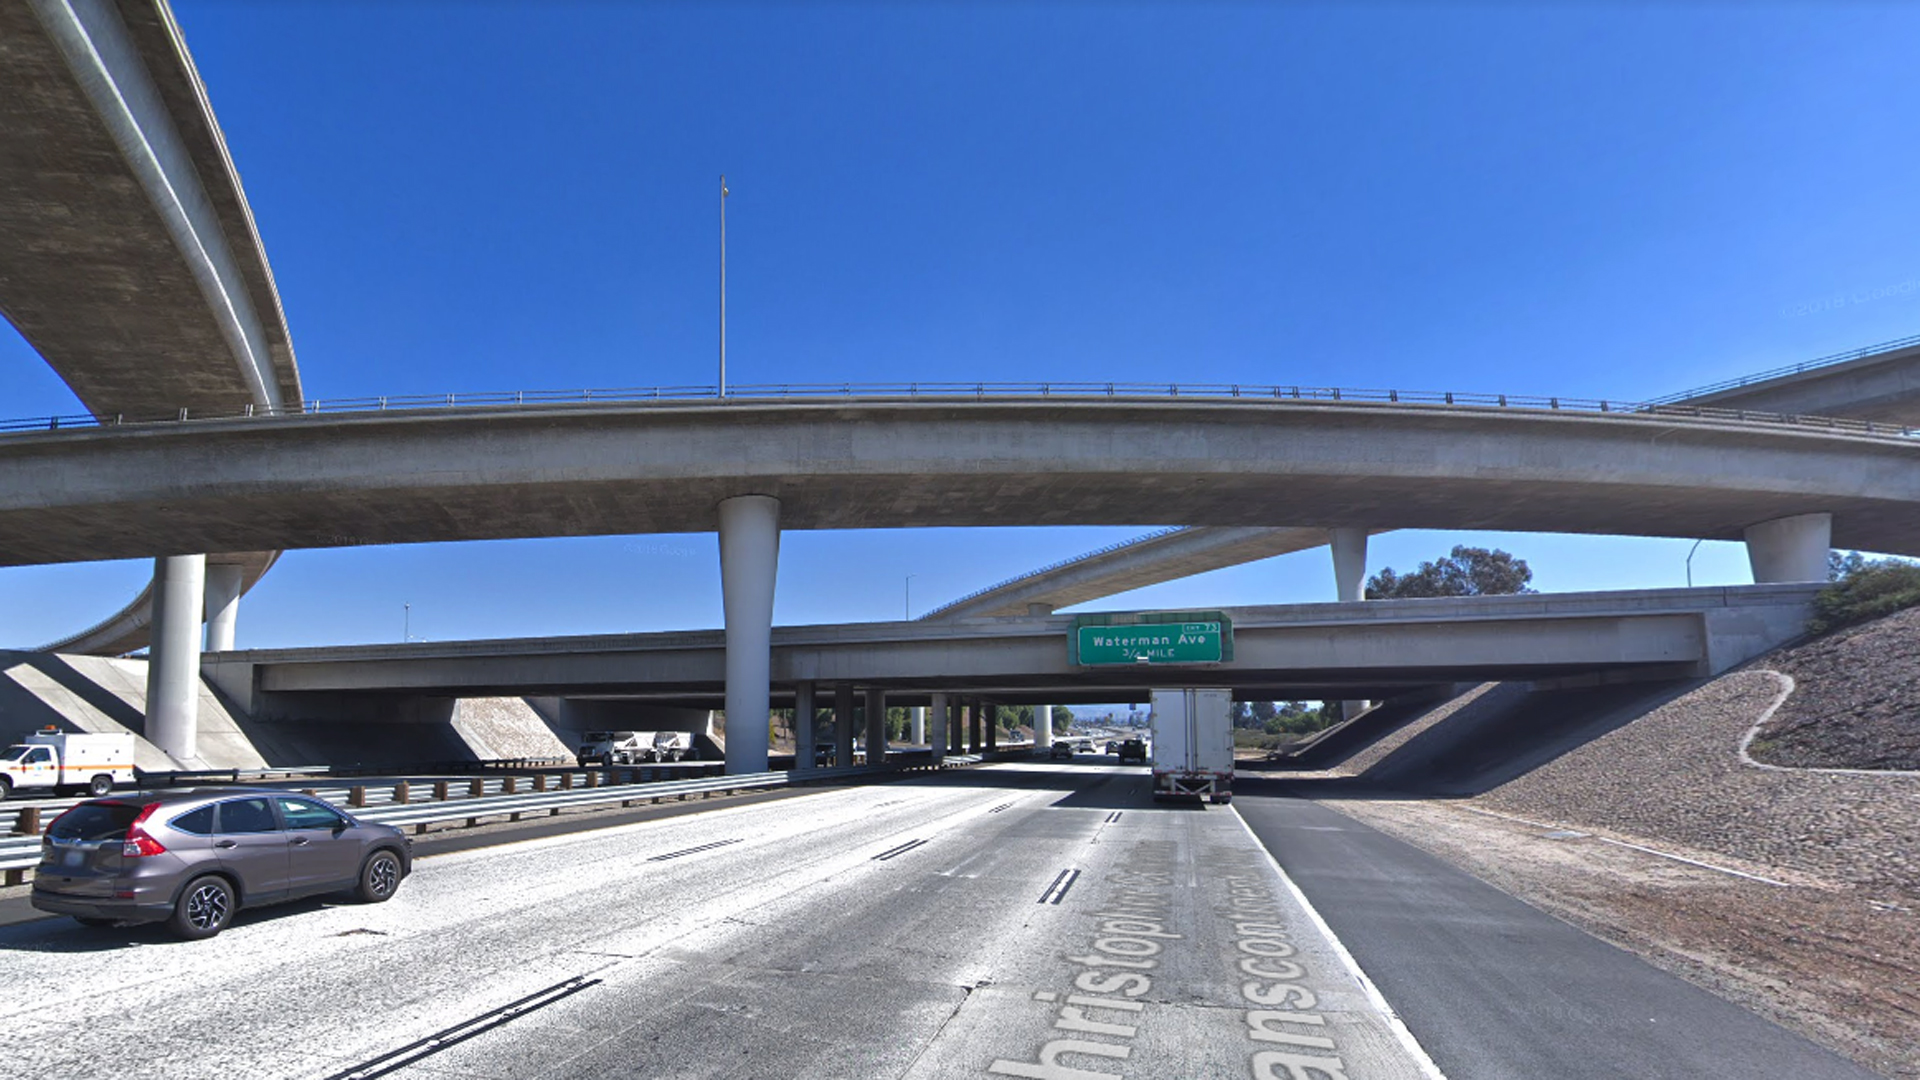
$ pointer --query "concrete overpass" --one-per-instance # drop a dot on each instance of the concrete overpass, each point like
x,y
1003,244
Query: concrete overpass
x,y
1313,651
325,480
1879,383
751,467
132,264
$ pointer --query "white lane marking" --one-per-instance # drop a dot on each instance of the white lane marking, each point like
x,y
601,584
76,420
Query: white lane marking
x,y
1379,1000
1637,847
1786,688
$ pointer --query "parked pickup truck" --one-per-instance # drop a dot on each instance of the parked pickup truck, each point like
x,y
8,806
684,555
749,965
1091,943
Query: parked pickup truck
x,y
55,759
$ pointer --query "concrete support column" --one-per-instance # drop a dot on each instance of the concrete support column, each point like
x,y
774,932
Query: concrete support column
x,y
937,736
1790,549
843,725
222,605
749,559
803,726
173,660
1349,563
917,732
956,726
993,727
876,726
1043,727
973,726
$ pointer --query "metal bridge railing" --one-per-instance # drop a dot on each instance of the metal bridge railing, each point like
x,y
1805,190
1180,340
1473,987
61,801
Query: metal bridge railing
x,y
1790,369
957,393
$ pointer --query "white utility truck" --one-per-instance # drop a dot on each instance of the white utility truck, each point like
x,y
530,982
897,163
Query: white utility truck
x,y
672,746
615,747
1193,743
51,758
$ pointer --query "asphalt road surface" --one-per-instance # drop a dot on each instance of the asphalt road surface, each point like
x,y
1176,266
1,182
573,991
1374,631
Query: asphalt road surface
x,y
1027,921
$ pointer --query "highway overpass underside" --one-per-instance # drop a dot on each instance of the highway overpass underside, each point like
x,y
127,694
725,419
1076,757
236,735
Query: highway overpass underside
x,y
1308,651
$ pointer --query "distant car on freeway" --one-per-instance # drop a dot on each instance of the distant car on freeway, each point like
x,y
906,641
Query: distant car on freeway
x,y
1133,750
194,858
1062,750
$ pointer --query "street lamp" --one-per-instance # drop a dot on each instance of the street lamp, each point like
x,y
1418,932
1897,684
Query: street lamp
x,y
1690,551
406,623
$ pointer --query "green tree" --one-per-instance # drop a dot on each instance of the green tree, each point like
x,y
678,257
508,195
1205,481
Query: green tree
x,y
1466,571
1841,567
1062,719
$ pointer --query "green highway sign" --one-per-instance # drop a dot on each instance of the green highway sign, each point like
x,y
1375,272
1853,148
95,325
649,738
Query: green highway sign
x,y
1151,643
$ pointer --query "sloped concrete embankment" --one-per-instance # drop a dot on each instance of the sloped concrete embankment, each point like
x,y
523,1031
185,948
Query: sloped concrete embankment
x,y
108,695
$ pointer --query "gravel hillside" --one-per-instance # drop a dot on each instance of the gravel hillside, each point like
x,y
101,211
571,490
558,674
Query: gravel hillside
x,y
1857,700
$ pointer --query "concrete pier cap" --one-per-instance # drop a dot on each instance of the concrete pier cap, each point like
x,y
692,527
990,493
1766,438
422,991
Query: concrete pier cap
x,y
749,563
1790,549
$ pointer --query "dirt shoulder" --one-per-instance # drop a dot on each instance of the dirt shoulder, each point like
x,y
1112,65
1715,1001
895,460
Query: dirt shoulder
x,y
1819,957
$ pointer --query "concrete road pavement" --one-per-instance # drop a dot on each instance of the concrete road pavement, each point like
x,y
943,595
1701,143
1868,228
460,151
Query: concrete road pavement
x,y
1016,921
1020,920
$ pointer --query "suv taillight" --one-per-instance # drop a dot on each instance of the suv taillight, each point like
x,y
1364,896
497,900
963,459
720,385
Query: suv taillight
x,y
138,843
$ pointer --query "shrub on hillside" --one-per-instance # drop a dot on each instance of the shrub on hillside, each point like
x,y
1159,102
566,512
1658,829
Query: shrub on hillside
x,y
1872,590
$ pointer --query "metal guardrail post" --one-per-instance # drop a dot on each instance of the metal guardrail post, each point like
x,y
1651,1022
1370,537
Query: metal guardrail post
x,y
357,796
539,781
440,791
401,792
28,823
593,778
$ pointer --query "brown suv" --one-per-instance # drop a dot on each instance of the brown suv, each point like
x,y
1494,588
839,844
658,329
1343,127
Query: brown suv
x,y
193,858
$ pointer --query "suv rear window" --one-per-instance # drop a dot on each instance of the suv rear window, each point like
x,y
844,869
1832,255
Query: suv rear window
x,y
94,821
198,822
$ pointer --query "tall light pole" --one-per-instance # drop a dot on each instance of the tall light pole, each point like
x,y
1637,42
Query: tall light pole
x,y
723,285
406,623
1690,551
906,605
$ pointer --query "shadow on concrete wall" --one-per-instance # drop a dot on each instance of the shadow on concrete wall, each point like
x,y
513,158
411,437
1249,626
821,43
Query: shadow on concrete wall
x,y
22,711
1506,733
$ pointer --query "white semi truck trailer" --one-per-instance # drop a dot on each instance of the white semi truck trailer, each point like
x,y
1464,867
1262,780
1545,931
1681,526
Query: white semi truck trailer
x,y
1192,744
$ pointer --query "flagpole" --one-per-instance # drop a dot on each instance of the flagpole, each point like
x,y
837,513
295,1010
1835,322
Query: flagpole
x,y
723,284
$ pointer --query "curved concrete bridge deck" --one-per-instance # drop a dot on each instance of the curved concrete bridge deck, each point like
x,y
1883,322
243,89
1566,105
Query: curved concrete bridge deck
x,y
131,262
327,480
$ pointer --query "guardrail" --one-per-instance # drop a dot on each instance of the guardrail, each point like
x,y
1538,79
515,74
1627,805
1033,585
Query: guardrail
x,y
19,853
958,393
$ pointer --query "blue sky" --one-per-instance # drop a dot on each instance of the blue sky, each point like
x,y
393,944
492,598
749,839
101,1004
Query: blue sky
x,y
1617,200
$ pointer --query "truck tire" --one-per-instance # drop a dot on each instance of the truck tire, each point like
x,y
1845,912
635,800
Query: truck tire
x,y
6,788
100,785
